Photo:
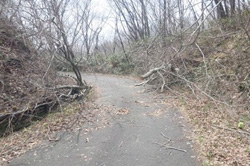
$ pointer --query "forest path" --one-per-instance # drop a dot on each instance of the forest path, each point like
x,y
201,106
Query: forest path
x,y
133,139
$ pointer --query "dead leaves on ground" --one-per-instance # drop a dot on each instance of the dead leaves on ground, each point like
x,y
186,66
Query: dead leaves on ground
x,y
215,146
71,119
123,111
157,113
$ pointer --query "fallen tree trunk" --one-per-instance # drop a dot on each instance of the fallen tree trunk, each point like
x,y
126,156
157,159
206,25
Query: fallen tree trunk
x,y
14,121
152,71
74,89
149,76
75,93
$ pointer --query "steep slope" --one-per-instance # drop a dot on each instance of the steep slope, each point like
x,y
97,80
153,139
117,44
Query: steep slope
x,y
24,86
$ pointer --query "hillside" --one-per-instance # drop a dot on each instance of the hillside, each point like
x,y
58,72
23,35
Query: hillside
x,y
209,75
26,81
206,75
194,53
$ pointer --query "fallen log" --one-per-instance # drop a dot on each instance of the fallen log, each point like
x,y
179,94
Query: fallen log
x,y
152,71
77,96
14,121
74,89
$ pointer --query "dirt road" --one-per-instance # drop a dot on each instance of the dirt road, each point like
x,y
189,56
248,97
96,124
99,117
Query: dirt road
x,y
151,134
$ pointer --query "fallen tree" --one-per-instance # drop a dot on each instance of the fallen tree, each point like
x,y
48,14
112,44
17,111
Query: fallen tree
x,y
149,76
13,121
152,71
75,92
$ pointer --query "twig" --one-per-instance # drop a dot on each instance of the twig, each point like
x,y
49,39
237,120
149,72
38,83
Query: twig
x,y
143,83
206,17
203,57
51,139
69,87
72,97
50,63
1,86
196,86
120,145
233,130
78,135
171,147
163,81
169,139
59,103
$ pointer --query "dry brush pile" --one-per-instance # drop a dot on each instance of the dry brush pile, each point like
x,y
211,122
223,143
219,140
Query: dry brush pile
x,y
209,72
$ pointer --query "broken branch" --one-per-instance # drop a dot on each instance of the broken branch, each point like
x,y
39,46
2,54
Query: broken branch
x,y
233,130
152,71
171,147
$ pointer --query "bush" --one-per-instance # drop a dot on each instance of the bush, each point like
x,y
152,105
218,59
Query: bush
x,y
121,64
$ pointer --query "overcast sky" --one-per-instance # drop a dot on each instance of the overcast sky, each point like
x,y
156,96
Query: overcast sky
x,y
104,10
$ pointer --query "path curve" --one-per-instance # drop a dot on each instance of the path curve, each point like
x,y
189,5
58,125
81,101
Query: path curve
x,y
131,140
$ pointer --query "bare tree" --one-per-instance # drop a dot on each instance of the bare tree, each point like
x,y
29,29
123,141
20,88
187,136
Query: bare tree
x,y
56,9
181,13
59,29
220,9
135,16
232,6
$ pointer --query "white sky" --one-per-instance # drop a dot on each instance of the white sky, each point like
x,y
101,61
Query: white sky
x,y
103,9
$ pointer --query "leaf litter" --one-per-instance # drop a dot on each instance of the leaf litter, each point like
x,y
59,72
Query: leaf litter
x,y
71,119
218,141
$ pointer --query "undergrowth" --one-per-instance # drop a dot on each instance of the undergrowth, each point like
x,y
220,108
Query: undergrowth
x,y
210,74
217,100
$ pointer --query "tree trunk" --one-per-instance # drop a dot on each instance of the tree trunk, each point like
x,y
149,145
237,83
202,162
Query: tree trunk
x,y
232,7
220,10
164,26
